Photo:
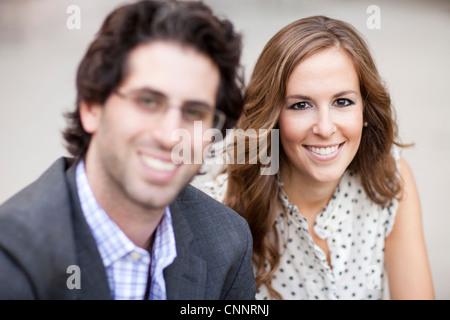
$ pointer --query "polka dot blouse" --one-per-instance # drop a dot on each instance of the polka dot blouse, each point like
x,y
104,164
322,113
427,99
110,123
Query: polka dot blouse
x,y
355,229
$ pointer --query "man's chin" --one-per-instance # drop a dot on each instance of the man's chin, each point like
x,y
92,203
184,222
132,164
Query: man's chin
x,y
152,193
159,197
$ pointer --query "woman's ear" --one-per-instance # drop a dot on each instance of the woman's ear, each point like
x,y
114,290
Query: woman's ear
x,y
90,114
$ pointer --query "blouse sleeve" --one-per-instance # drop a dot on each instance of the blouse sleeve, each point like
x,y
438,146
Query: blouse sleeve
x,y
215,187
389,213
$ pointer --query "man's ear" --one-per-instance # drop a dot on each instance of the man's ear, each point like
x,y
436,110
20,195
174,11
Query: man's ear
x,y
90,114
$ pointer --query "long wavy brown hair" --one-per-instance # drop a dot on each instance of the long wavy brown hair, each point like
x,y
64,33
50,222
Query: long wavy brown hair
x,y
256,196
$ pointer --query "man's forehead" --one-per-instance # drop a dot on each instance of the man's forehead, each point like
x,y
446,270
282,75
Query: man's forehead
x,y
173,70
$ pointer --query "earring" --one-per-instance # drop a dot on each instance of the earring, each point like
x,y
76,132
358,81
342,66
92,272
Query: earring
x,y
365,124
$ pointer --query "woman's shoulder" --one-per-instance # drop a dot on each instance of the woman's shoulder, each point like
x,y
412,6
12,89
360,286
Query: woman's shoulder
x,y
352,196
214,186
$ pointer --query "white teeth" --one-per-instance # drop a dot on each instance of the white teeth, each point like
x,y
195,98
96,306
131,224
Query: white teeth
x,y
158,164
324,151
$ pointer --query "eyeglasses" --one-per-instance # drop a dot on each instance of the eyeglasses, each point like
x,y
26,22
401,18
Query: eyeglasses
x,y
157,104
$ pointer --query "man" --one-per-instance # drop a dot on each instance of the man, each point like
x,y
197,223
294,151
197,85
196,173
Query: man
x,y
119,220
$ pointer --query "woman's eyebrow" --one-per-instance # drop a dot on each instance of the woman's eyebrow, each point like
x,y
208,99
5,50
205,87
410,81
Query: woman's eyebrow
x,y
298,96
343,93
303,97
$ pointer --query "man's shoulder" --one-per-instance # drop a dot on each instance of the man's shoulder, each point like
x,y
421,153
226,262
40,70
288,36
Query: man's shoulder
x,y
42,194
36,231
193,193
40,211
212,233
206,215
200,202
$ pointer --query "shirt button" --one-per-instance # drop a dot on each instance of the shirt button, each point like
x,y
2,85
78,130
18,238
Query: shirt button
x,y
135,256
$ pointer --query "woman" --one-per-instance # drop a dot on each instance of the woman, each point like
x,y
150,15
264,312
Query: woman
x,y
343,210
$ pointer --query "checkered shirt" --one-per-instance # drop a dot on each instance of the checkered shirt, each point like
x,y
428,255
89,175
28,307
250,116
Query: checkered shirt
x,y
127,266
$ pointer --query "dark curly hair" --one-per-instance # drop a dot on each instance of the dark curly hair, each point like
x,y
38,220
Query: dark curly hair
x,y
189,23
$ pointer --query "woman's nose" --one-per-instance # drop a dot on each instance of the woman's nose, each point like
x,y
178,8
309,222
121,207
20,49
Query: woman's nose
x,y
324,125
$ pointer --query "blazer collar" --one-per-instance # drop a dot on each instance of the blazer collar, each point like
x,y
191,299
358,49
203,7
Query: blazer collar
x,y
94,282
186,276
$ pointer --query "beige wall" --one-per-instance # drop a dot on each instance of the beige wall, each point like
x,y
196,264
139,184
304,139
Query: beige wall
x,y
39,56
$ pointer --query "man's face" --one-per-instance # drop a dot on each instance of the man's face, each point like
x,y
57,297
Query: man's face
x,y
131,145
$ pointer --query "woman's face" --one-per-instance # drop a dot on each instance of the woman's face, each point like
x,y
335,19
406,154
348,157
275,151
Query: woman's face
x,y
322,118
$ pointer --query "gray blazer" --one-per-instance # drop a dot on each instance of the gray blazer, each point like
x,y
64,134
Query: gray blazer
x,y
43,232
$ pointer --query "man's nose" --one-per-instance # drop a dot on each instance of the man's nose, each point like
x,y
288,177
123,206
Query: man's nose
x,y
165,125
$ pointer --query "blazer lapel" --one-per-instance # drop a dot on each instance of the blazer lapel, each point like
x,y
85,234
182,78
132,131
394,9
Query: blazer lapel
x,y
94,283
186,276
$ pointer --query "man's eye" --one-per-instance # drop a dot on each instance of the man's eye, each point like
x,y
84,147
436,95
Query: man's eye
x,y
343,102
148,101
194,113
300,106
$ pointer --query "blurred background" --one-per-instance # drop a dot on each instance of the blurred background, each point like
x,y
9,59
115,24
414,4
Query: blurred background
x,y
42,42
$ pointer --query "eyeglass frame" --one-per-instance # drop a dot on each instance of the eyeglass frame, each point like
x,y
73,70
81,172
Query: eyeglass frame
x,y
132,96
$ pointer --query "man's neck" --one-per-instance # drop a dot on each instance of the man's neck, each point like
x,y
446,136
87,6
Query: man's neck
x,y
137,222
139,227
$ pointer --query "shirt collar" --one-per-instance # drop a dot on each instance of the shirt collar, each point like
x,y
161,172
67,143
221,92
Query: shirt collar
x,y
111,241
334,213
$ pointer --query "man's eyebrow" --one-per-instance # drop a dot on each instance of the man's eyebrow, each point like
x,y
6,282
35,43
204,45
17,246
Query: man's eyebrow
x,y
198,103
150,90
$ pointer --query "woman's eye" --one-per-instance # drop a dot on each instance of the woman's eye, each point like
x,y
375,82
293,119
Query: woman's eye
x,y
343,102
300,106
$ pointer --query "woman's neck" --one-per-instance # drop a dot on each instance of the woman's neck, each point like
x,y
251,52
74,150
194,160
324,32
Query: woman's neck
x,y
309,195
